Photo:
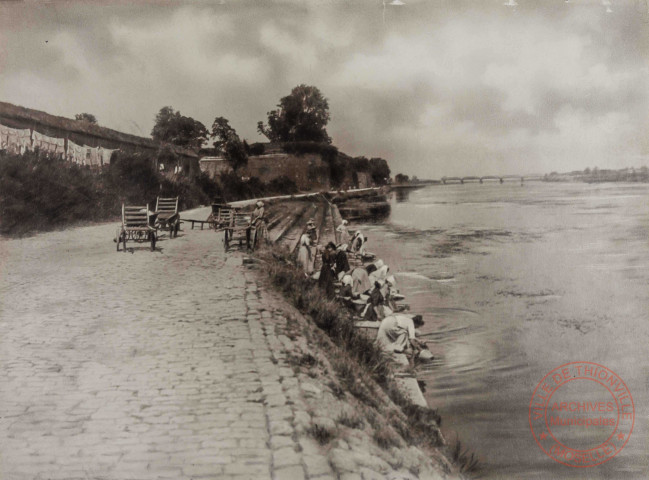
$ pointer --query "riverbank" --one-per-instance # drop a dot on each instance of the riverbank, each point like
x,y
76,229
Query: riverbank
x,y
174,364
360,385
286,222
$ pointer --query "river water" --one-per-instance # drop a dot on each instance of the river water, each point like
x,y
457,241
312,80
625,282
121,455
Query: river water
x,y
514,281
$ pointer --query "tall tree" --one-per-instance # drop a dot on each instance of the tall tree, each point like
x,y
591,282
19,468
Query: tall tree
x,y
379,171
229,143
172,127
86,117
300,116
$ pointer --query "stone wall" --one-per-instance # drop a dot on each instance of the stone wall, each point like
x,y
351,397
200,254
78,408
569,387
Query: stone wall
x,y
308,171
84,133
213,166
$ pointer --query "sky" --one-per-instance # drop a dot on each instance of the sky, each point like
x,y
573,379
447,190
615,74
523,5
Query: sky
x,y
437,87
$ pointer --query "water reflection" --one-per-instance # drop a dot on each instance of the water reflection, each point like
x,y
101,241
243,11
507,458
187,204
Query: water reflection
x,y
401,195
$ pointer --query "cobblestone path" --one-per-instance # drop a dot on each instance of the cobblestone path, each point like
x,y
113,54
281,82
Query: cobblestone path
x,y
141,365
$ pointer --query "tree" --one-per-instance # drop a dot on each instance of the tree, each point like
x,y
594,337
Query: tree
x,y
401,178
228,142
301,116
379,171
172,127
360,164
86,117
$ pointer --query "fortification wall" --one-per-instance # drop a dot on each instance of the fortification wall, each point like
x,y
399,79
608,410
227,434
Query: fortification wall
x,y
308,171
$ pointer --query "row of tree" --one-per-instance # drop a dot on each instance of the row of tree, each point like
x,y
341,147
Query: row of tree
x,y
300,116
299,121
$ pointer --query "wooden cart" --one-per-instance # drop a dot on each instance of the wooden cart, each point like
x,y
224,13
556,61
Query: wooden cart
x,y
138,225
234,224
237,229
221,216
168,216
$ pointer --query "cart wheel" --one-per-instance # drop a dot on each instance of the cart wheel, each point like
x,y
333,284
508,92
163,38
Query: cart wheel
x,y
118,238
124,240
152,234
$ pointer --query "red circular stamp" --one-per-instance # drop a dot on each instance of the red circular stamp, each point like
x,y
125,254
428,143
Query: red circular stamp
x,y
581,414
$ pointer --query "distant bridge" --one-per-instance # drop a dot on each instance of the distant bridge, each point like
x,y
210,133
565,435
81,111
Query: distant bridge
x,y
499,178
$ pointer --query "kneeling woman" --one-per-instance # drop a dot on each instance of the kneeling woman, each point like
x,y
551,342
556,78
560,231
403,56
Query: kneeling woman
x,y
397,334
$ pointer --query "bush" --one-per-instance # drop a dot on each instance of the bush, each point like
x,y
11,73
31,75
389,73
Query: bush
x,y
256,149
328,152
234,188
282,186
38,192
209,187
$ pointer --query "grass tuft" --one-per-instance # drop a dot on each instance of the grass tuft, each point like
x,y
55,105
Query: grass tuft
x,y
351,421
322,434
466,461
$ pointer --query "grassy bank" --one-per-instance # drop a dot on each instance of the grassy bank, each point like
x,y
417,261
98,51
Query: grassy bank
x,y
39,193
363,370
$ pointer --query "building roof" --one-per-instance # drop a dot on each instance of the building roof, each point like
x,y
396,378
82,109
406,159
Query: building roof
x,y
17,112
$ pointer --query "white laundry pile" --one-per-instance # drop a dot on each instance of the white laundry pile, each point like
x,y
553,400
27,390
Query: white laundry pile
x,y
48,144
16,140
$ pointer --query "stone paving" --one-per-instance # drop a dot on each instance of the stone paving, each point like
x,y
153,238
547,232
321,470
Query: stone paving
x,y
143,365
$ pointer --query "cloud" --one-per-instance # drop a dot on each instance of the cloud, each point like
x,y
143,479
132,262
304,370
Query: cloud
x,y
191,40
438,89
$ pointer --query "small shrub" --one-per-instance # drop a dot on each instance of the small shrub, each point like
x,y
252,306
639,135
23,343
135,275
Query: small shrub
x,y
384,438
338,392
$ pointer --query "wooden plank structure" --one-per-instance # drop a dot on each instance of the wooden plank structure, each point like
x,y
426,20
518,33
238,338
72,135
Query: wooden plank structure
x,y
237,228
168,216
193,221
138,225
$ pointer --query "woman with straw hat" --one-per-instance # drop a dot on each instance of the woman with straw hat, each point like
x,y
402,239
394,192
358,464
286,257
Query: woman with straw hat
x,y
257,226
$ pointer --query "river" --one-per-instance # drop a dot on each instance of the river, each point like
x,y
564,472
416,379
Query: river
x,y
513,281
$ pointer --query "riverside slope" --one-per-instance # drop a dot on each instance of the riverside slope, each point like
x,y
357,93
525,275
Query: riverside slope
x,y
165,365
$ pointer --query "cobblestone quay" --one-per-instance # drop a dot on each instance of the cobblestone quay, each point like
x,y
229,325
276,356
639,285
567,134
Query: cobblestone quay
x,y
141,365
